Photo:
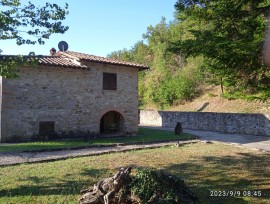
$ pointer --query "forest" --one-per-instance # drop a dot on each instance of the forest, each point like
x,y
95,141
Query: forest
x,y
216,42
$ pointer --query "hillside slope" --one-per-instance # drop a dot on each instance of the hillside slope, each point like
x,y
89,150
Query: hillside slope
x,y
210,101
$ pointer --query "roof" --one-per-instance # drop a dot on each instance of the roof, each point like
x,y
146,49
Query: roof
x,y
48,60
74,60
60,61
93,58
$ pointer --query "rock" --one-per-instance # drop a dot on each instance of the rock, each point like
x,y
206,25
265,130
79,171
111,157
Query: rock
x,y
207,142
178,130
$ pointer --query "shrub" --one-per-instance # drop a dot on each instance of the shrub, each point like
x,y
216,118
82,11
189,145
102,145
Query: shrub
x,y
147,182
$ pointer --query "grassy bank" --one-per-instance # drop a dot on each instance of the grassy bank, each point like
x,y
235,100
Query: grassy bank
x,y
144,136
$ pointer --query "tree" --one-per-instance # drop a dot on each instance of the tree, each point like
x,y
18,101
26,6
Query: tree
x,y
266,50
28,24
230,35
171,78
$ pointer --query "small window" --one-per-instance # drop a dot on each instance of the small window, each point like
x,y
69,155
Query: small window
x,y
46,128
109,81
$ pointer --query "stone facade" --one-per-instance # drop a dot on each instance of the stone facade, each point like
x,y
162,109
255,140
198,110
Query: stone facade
x,y
72,98
252,124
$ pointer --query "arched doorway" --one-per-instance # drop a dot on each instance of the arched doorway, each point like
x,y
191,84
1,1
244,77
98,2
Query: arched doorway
x,y
112,122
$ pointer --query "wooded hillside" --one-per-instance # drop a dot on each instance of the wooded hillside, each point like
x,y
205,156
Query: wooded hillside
x,y
210,42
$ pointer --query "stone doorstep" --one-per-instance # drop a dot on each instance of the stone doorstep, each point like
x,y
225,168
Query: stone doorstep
x,y
35,158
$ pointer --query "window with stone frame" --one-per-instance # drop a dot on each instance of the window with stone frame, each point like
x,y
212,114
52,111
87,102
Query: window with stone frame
x,y
109,81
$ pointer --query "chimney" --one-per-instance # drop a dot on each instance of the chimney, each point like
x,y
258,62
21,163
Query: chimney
x,y
53,51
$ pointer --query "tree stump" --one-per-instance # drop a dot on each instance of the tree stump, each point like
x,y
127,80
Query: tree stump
x,y
147,186
178,130
105,190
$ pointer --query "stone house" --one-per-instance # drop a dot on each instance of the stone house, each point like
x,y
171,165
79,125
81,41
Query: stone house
x,y
70,92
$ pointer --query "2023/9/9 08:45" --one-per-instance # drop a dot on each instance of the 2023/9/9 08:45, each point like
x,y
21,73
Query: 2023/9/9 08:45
x,y
232,193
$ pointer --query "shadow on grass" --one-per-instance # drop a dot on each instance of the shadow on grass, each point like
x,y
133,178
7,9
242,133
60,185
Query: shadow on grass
x,y
53,186
96,173
242,172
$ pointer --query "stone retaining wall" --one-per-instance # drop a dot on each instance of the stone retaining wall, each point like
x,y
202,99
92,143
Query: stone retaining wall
x,y
252,124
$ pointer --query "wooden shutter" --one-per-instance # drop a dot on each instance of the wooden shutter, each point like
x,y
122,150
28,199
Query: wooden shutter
x,y
109,81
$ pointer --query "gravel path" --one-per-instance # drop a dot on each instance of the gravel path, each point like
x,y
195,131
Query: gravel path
x,y
249,141
31,157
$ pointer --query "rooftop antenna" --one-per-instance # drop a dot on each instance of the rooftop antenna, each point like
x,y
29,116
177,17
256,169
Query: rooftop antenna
x,y
63,46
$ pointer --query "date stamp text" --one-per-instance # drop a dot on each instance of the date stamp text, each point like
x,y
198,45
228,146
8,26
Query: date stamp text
x,y
235,193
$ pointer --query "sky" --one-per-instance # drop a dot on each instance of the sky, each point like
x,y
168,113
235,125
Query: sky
x,y
99,27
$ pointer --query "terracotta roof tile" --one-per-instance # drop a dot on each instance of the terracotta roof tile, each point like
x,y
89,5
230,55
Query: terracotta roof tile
x,y
71,59
49,60
60,61
93,58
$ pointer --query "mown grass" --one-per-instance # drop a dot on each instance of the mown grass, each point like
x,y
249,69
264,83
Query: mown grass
x,y
145,136
204,167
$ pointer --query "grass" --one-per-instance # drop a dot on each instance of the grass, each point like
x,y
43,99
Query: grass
x,y
204,167
217,102
145,136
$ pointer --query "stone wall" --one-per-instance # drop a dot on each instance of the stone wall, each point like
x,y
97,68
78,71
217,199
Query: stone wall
x,y
73,98
253,124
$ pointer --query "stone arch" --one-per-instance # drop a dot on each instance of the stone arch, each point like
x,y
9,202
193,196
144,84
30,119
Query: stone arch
x,y
112,121
105,110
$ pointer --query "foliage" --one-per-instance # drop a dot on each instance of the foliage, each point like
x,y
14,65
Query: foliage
x,y
209,42
263,95
230,36
9,64
148,182
28,24
169,80
17,19
183,86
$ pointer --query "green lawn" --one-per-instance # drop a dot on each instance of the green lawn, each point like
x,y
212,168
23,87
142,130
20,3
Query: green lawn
x,y
145,136
204,167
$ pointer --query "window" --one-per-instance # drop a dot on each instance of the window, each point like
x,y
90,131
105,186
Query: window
x,y
109,81
46,128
